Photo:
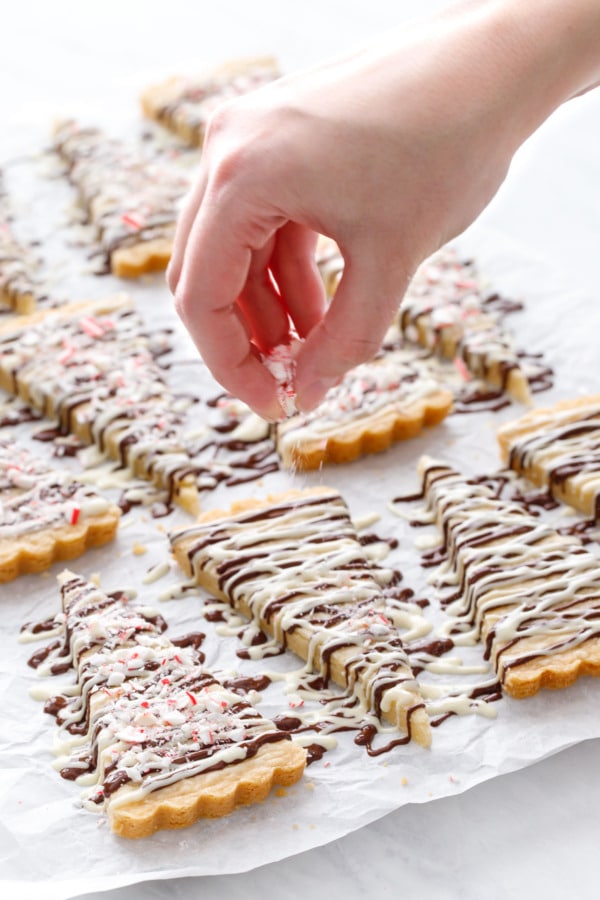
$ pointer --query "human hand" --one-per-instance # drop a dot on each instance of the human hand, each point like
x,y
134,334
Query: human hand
x,y
391,152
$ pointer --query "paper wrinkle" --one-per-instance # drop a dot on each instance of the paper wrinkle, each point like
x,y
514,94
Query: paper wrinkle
x,y
47,843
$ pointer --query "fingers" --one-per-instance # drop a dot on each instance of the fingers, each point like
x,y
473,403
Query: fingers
x,y
283,283
229,301
297,276
352,329
182,232
261,304
221,275
216,264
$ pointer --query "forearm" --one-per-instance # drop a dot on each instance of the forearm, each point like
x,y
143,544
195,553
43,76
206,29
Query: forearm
x,y
512,61
543,51
557,45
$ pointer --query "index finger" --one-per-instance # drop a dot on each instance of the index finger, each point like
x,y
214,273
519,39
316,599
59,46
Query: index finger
x,y
184,226
215,268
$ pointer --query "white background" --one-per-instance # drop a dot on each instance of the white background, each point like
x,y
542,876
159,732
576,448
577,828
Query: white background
x,y
532,833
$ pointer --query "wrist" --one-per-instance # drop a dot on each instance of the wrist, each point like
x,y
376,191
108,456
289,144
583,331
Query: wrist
x,y
551,46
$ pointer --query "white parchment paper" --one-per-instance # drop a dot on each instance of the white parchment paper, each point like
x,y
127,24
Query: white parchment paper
x,y
47,842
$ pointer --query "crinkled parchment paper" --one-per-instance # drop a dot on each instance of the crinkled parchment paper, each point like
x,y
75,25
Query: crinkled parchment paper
x,y
47,841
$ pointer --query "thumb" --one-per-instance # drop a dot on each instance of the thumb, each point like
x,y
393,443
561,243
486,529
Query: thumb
x,y
352,330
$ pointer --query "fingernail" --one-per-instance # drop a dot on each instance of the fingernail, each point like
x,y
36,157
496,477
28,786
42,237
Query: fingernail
x,y
309,397
170,278
273,413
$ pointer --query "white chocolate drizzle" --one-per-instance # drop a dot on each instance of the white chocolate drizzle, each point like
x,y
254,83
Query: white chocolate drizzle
x,y
35,496
396,382
94,367
144,713
448,309
21,286
129,197
297,565
528,591
561,450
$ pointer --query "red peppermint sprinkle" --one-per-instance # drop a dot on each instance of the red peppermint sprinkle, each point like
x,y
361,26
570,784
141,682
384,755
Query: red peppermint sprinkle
x,y
75,515
462,369
91,326
132,221
66,355
192,698
145,704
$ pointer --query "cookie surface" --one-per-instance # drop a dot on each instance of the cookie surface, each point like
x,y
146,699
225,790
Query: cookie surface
x,y
293,564
376,404
184,104
95,368
47,515
21,287
558,447
530,594
155,738
447,308
130,199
